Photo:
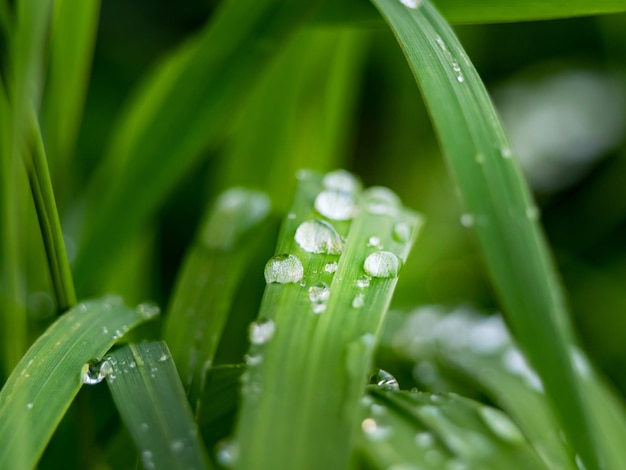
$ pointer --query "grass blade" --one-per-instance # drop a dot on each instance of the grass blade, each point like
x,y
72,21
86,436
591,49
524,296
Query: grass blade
x,y
149,396
499,208
207,283
318,324
44,383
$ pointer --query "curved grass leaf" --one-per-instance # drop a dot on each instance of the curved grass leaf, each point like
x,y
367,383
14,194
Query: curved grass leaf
x,y
173,123
149,396
500,209
312,346
420,430
44,383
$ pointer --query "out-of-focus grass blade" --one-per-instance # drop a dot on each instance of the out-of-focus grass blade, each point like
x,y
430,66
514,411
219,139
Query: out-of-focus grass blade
x,y
311,92
479,11
188,107
149,396
44,383
72,40
499,208
322,308
420,430
207,283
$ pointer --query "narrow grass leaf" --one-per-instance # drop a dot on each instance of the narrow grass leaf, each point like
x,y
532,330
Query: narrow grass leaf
x,y
323,305
500,210
175,122
149,396
419,430
44,383
206,286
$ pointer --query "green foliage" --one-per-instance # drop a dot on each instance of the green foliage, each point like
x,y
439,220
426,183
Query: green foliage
x,y
106,173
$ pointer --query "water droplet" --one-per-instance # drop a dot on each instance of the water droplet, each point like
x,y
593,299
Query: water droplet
x,y
401,232
506,152
532,213
374,431
579,462
374,242
105,330
177,445
96,370
283,269
331,267
163,358
457,70
318,236
147,460
29,406
441,43
341,180
424,439
253,360
382,264
262,331
381,200
358,301
318,295
414,4
291,216
335,205
144,427
384,379
501,424
227,453
364,282
467,220
148,310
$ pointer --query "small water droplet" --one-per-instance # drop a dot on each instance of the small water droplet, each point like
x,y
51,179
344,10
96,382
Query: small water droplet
x,y
144,427
457,70
105,330
374,242
148,310
261,331
363,282
341,180
163,358
441,43
318,295
96,370
227,453
383,264
291,216
283,269
147,460
358,301
253,360
414,4
506,152
532,213
374,431
501,424
29,406
177,445
318,236
467,220
384,379
331,267
424,439
335,205
401,232
381,200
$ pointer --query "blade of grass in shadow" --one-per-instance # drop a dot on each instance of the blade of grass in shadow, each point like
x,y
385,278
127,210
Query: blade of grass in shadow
x,y
204,291
151,400
72,41
500,210
420,430
310,91
44,383
186,108
322,308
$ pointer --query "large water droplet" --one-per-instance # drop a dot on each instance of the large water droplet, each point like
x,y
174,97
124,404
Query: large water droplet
x,y
318,295
96,370
283,269
381,200
500,424
401,232
341,180
335,205
262,331
384,379
318,236
382,264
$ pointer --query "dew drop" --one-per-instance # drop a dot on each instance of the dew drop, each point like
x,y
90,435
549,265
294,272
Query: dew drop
x,y
506,152
374,242
163,358
382,264
253,360
318,295
341,180
358,301
29,406
262,331
148,310
331,267
457,70
147,460
424,439
532,213
335,204
96,370
414,4
283,269
467,220
227,453
384,379
363,282
401,232
318,236
501,424
381,200
374,431
177,445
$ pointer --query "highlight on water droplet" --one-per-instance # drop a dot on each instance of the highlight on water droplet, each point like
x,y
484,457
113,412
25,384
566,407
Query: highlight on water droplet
x,y
363,282
318,236
374,431
381,200
382,264
283,269
467,220
227,453
500,424
375,242
335,204
261,331
96,370
413,4
384,379
532,213
457,71
331,267
401,232
318,295
148,310
341,180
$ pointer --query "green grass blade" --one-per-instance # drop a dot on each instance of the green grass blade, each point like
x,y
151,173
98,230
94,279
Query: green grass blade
x,y
175,122
72,41
311,348
49,223
149,396
419,430
499,208
206,286
44,383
